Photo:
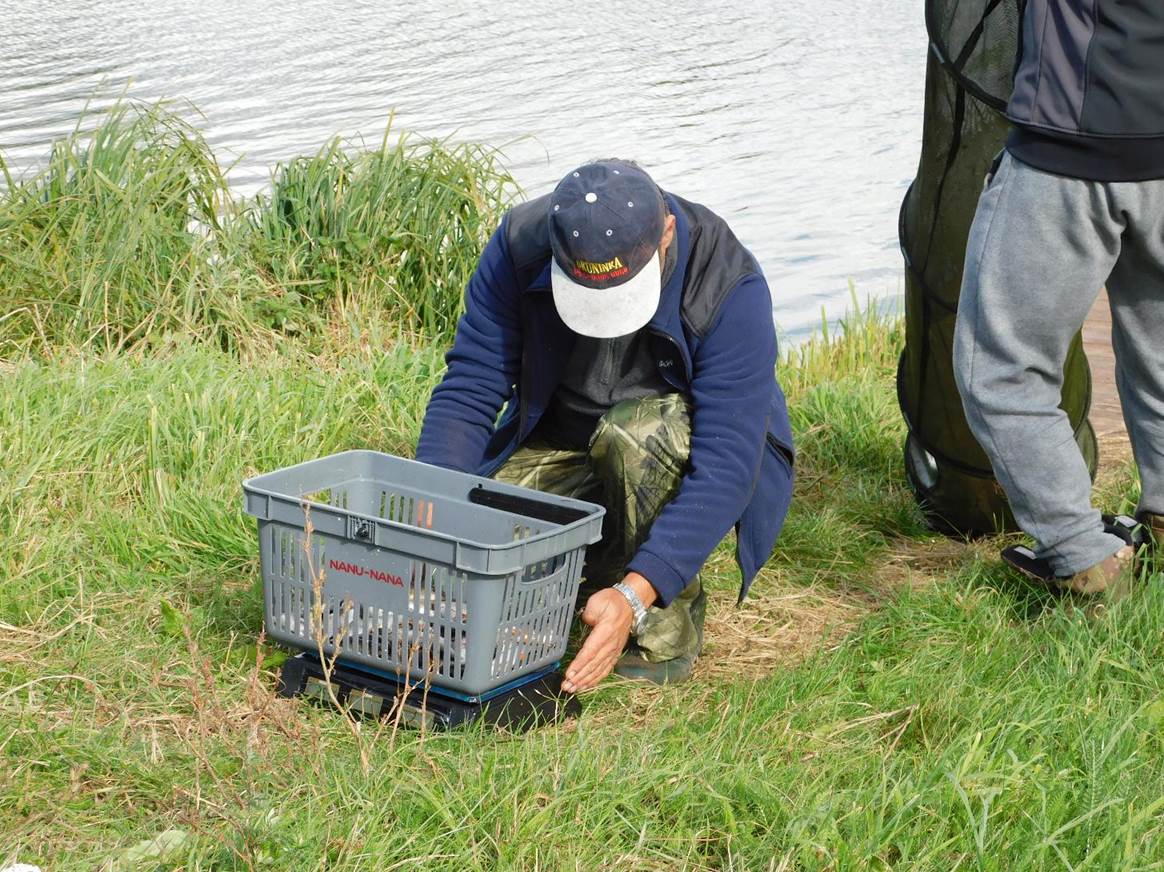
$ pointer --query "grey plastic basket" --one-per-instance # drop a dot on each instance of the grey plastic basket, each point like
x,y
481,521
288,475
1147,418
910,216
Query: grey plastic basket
x,y
448,577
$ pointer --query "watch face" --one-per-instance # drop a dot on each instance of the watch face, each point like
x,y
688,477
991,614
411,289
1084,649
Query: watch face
x,y
640,621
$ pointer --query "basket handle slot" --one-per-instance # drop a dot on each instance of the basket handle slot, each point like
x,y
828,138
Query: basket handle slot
x,y
525,506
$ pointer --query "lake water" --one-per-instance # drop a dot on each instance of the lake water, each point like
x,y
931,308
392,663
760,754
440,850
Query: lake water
x,y
799,123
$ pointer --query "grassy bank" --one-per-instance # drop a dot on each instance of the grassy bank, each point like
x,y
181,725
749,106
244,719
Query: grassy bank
x,y
884,699
129,236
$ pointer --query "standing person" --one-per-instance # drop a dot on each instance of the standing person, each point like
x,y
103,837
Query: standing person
x,y
1076,200
629,336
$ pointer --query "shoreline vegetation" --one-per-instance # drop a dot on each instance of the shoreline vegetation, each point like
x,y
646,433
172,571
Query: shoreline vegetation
x,y
885,699
130,235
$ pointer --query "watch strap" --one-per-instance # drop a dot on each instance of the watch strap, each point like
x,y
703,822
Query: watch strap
x,y
636,604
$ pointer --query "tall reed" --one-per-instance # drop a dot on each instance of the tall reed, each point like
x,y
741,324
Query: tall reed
x,y
129,236
112,240
397,229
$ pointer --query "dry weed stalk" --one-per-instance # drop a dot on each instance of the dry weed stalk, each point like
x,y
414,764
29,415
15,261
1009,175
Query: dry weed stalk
x,y
318,583
398,706
424,696
397,711
227,718
211,718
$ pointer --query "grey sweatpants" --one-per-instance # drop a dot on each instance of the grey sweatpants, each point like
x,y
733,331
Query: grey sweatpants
x,y
1040,249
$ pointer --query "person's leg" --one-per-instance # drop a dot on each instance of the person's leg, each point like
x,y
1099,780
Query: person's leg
x,y
1040,248
542,467
1136,292
640,452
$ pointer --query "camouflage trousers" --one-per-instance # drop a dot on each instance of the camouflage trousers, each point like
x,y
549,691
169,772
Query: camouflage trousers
x,y
633,466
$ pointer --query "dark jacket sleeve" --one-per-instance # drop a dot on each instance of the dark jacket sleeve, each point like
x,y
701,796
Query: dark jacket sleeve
x,y
482,365
731,391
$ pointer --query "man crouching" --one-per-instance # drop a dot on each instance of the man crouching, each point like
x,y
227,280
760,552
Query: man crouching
x,y
629,336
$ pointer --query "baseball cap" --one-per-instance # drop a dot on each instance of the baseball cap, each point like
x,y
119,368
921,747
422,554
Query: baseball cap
x,y
606,222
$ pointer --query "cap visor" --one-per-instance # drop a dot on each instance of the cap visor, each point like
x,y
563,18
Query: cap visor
x,y
608,312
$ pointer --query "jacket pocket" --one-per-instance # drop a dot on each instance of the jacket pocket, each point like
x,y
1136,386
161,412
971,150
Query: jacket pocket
x,y
780,449
995,172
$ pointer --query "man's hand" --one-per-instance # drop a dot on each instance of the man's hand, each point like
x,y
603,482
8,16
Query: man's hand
x,y
610,618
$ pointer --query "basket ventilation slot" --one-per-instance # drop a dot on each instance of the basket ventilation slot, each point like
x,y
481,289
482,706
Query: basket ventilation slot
x,y
535,618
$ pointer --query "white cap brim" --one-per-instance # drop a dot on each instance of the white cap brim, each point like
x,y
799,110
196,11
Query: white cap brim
x,y
604,313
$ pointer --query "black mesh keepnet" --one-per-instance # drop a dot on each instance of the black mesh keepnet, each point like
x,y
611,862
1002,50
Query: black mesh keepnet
x,y
977,42
968,81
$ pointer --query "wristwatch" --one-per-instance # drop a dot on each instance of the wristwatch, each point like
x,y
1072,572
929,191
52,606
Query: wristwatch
x,y
636,605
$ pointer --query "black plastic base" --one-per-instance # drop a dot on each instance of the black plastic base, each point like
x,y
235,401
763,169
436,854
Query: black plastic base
x,y
538,703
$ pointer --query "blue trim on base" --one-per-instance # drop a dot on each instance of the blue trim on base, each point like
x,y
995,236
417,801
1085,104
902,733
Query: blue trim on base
x,y
446,692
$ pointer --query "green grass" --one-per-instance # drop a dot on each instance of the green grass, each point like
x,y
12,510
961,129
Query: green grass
x,y
103,247
128,237
885,699
968,721
398,229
